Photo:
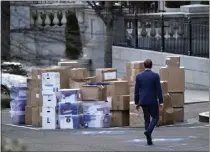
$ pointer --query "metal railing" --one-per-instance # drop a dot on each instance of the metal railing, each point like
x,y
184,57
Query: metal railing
x,y
179,35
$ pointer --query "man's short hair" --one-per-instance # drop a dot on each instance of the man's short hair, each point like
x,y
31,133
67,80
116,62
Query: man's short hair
x,y
148,64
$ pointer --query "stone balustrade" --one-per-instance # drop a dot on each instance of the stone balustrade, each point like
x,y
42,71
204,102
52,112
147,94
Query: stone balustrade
x,y
55,14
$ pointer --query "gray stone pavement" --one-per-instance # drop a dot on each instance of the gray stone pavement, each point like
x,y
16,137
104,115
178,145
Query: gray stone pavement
x,y
188,136
194,96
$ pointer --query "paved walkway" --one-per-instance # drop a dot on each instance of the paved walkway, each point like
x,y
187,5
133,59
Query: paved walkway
x,y
193,96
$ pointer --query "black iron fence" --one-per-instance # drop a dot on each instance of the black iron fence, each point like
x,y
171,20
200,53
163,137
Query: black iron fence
x,y
178,35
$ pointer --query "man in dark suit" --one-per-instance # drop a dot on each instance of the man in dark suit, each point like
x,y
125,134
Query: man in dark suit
x,y
147,92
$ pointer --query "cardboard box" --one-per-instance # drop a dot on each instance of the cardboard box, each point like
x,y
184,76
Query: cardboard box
x,y
133,72
166,116
93,92
35,116
78,73
164,87
121,102
70,64
40,116
75,84
173,61
51,81
136,118
120,118
36,97
132,96
175,78
179,114
28,115
49,99
49,118
106,74
135,65
28,98
117,88
167,101
177,99
64,75
69,95
32,83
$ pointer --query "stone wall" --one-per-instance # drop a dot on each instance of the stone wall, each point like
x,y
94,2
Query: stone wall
x,y
196,69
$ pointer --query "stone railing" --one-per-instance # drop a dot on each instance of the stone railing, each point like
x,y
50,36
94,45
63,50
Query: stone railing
x,y
54,14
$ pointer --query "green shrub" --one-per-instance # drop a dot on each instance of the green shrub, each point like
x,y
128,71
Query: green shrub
x,y
176,4
72,36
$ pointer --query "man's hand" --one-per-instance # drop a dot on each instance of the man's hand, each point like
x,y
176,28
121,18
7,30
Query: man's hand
x,y
161,106
137,107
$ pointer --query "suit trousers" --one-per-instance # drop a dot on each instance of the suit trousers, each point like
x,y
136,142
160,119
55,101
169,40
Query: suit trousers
x,y
153,112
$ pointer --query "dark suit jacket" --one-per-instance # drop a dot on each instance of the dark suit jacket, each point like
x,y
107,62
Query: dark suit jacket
x,y
148,89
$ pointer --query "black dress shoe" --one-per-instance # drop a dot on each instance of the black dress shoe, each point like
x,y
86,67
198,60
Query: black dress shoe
x,y
149,138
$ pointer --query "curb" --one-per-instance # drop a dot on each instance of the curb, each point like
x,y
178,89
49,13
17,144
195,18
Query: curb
x,y
204,117
196,102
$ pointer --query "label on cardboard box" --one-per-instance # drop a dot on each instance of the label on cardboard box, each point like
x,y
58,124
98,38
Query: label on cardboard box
x,y
38,76
110,75
37,95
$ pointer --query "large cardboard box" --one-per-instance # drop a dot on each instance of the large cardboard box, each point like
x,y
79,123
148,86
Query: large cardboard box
x,y
177,99
71,64
64,75
166,116
28,115
167,101
40,116
78,73
106,74
178,114
173,61
93,92
36,97
117,88
135,65
121,102
175,78
133,72
35,116
136,118
120,118
164,87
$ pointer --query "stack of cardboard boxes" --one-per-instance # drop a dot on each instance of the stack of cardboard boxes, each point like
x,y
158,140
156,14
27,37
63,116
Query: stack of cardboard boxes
x,y
175,76
50,88
166,114
132,69
34,93
118,94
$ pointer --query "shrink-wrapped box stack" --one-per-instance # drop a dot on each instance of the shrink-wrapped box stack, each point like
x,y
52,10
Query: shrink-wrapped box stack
x,y
175,76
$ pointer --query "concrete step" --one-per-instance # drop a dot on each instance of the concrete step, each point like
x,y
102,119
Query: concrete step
x,y
204,117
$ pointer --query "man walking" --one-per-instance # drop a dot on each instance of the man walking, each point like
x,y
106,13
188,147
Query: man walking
x,y
147,91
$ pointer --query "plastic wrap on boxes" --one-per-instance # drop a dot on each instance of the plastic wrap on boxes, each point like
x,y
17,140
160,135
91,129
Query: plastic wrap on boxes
x,y
18,93
69,95
17,105
17,117
70,108
97,121
96,107
70,121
